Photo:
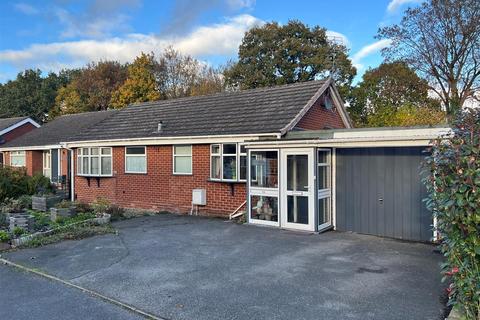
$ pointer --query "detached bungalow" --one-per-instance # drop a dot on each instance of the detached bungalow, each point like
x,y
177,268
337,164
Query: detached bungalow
x,y
40,150
153,155
12,128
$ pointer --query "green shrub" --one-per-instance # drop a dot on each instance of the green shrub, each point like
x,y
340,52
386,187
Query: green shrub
x,y
12,205
18,231
65,204
116,212
100,205
453,182
42,220
39,184
14,182
82,207
4,236
25,201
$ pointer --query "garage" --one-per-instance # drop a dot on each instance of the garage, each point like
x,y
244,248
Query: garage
x,y
379,192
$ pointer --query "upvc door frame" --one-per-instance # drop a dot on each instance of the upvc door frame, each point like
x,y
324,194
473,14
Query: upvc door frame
x,y
324,193
284,193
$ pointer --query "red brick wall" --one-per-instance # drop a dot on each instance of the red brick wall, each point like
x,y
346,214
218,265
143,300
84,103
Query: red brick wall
x,y
318,118
159,189
17,132
34,162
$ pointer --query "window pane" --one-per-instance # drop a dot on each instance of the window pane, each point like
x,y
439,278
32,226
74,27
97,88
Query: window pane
x,y
297,172
243,167
216,148
324,211
323,157
183,150
106,151
85,165
243,149
323,177
216,167
183,164
264,169
106,165
229,149
85,151
264,208
79,152
297,209
230,167
94,165
94,151
79,166
136,164
136,150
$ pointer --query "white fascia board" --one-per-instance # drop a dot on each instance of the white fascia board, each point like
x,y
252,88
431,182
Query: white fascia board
x,y
339,144
33,148
169,140
19,124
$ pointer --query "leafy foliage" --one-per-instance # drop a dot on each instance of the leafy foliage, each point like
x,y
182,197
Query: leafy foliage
x,y
14,182
440,40
273,54
453,182
4,236
30,94
393,95
140,85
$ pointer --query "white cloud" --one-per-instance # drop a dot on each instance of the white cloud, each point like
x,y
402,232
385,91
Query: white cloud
x,y
369,50
26,8
218,39
241,4
394,5
337,35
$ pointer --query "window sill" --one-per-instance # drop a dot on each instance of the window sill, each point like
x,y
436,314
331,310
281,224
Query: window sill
x,y
136,173
91,176
227,181
182,174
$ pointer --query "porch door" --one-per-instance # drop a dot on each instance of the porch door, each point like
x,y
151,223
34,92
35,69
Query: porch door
x,y
298,189
324,185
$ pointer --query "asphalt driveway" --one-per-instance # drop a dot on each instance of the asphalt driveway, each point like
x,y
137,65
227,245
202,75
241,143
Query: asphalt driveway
x,y
197,268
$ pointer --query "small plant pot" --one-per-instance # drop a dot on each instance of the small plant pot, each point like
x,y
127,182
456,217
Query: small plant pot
x,y
104,219
21,220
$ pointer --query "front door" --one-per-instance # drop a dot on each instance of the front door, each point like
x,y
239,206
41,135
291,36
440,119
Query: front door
x,y
298,189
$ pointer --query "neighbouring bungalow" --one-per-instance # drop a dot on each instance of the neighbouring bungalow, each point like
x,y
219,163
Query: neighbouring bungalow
x,y
285,156
40,150
12,128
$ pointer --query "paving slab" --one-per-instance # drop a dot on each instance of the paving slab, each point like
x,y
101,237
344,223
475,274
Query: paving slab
x,y
181,267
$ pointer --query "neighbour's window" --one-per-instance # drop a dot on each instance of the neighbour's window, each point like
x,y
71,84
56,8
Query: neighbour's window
x,y
228,162
17,158
135,160
94,161
47,161
182,159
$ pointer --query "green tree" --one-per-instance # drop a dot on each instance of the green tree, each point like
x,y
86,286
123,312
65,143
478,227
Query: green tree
x,y
273,54
140,85
440,40
386,90
30,94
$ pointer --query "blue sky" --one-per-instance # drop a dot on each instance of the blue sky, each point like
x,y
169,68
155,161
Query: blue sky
x,y
57,34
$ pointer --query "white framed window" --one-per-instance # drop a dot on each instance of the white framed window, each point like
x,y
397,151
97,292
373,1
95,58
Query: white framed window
x,y
228,162
182,159
47,164
135,160
17,159
94,162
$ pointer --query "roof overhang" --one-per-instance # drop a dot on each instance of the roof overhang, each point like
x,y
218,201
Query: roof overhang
x,y
171,140
32,148
19,124
355,138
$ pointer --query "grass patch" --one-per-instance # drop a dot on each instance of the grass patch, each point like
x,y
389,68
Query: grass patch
x,y
75,232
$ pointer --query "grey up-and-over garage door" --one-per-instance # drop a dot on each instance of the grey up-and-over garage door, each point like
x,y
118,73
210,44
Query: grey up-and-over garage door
x,y
379,192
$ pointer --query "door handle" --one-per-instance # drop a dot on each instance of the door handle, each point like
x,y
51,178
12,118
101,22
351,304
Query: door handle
x,y
380,199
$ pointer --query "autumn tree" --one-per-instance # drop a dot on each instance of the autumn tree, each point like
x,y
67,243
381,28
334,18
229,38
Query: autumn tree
x,y
383,90
91,88
140,85
274,54
180,75
440,40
